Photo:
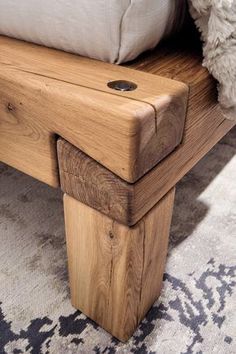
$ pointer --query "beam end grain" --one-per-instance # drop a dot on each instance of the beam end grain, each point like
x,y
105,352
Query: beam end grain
x,y
92,184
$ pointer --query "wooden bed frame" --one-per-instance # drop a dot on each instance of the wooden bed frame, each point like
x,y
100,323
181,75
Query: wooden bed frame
x,y
117,155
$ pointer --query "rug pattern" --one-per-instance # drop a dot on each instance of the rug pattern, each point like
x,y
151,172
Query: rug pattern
x,y
196,310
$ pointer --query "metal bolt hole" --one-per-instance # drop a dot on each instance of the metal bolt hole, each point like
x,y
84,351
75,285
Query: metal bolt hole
x,y
122,85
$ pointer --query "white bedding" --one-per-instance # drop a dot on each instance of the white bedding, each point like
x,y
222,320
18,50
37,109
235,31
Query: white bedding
x,y
216,21
109,30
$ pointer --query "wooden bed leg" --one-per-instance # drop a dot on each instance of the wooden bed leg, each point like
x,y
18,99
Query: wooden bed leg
x,y
116,271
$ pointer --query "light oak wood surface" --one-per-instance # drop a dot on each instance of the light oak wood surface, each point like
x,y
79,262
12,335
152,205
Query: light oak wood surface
x,y
45,93
91,183
181,59
34,110
86,180
90,73
116,271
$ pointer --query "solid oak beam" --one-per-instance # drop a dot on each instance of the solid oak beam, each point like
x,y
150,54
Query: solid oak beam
x,y
205,125
91,183
45,93
116,271
180,59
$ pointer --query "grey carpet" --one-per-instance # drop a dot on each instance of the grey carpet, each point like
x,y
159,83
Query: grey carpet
x,y
197,309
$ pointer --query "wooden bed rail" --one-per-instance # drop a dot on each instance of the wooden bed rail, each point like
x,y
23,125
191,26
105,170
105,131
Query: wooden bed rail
x,y
45,92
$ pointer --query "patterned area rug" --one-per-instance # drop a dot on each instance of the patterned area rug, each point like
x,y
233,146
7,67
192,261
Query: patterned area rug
x,y
197,309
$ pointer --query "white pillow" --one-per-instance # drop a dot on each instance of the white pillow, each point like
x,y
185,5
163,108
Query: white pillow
x,y
109,30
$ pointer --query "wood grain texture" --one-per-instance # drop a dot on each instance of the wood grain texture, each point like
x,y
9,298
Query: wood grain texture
x,y
116,271
91,183
181,59
94,185
44,92
81,71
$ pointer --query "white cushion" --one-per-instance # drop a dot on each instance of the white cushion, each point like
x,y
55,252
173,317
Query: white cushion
x,y
109,30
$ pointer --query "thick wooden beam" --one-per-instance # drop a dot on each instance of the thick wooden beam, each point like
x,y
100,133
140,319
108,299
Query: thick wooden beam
x,y
116,271
91,183
44,93
180,59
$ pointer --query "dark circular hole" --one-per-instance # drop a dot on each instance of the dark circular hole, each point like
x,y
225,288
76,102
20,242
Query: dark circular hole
x,y
122,85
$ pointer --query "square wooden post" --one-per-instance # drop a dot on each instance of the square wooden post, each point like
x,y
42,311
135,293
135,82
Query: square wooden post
x,y
116,270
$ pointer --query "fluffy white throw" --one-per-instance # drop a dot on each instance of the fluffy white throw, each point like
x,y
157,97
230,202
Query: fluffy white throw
x,y
216,20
